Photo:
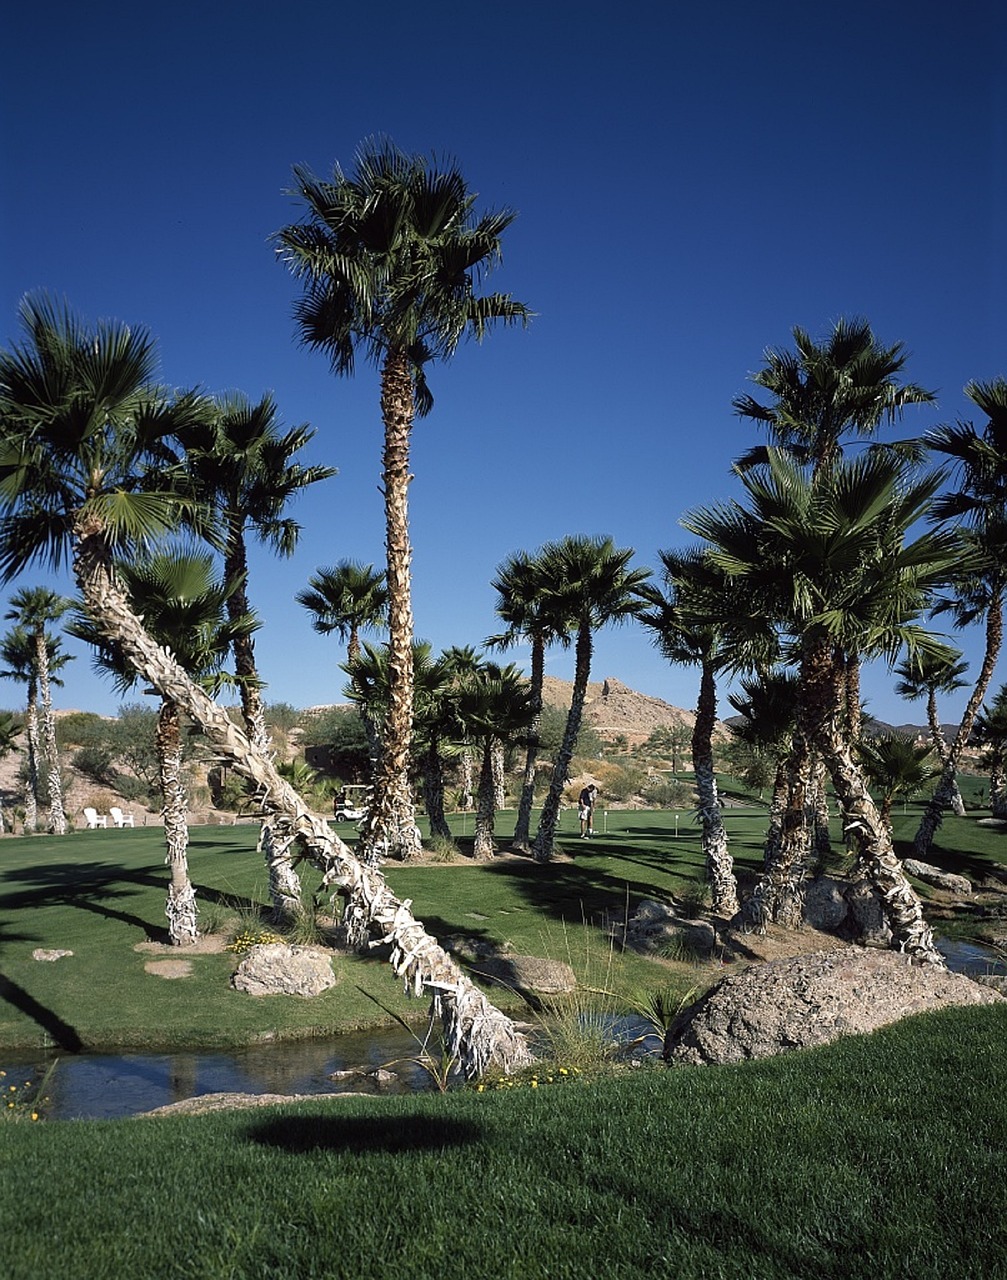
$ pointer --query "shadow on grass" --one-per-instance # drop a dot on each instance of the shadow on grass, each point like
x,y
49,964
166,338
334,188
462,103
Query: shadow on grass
x,y
61,1032
389,1135
90,886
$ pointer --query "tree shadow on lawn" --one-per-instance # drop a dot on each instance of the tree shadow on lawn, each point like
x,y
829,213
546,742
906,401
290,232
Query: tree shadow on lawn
x,y
89,886
361,1135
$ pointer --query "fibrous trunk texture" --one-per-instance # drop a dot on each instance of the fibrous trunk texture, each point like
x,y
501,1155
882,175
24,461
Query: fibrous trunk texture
x,y
719,863
180,907
32,745
483,845
433,793
522,826
390,830
477,1034
54,783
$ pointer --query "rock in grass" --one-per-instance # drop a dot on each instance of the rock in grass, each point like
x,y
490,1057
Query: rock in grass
x,y
274,968
812,999
528,973
935,876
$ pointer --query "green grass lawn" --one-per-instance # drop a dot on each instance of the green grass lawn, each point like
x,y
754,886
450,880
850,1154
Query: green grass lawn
x,y
878,1156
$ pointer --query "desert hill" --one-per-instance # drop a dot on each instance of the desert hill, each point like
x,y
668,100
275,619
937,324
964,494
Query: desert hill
x,y
612,707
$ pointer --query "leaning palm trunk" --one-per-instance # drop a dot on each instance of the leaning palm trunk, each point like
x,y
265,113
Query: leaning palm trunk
x,y
477,1034
817,704
390,826
719,864
180,907
484,846
933,814
54,785
523,824
549,818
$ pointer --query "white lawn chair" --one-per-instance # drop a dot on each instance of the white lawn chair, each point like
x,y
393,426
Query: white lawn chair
x,y
121,819
94,819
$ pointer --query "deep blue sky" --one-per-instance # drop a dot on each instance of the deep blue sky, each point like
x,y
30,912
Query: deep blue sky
x,y
692,181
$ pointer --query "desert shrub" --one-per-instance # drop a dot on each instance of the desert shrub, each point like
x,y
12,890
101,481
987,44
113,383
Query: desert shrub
x,y
84,729
282,716
621,784
138,790
660,793
95,762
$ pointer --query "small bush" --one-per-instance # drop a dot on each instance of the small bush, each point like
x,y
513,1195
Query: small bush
x,y
442,849
95,763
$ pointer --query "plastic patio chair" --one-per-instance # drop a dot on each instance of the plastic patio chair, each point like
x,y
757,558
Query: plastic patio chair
x,y
94,819
121,819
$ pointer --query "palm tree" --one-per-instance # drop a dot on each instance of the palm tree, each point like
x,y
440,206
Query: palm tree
x,y
348,598
827,390
242,465
767,705
990,733
895,766
183,608
831,561
81,434
35,608
925,677
528,604
494,705
18,651
979,503
595,586
679,616
390,256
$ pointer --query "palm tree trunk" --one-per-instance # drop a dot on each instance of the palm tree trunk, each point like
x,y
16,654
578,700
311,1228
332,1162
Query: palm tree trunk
x,y
719,864
390,826
998,791
54,784
433,793
499,772
779,894
476,1033
483,846
940,746
933,814
820,811
32,751
180,907
466,768
817,710
548,820
523,824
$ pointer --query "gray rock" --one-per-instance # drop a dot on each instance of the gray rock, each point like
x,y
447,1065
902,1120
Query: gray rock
x,y
528,973
45,953
935,876
867,915
825,904
274,968
812,999
656,926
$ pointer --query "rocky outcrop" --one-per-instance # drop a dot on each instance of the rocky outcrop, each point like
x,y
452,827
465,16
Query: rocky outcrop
x,y
528,973
812,999
657,926
274,968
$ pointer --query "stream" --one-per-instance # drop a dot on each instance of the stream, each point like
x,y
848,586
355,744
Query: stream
x,y
115,1085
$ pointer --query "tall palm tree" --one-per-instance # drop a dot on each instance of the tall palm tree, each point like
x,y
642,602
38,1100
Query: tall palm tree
x,y
494,706
979,459
679,615
18,651
767,707
527,602
832,562
596,587
347,598
35,608
390,256
926,676
243,466
82,433
185,609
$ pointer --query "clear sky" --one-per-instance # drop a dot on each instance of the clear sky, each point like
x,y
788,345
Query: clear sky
x,y
692,182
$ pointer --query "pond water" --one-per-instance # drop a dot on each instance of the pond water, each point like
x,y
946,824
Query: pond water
x,y
108,1086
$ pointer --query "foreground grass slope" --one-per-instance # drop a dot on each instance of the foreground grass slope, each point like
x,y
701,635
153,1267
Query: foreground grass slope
x,y
882,1154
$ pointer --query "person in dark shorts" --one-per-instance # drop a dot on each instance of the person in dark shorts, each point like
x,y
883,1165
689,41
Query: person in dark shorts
x,y
585,810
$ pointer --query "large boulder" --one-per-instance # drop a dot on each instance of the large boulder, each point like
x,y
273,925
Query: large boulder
x,y
812,999
825,904
868,921
274,968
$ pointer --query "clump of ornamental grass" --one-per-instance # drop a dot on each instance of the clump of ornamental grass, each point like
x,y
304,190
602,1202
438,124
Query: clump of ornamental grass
x,y
243,942
442,849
